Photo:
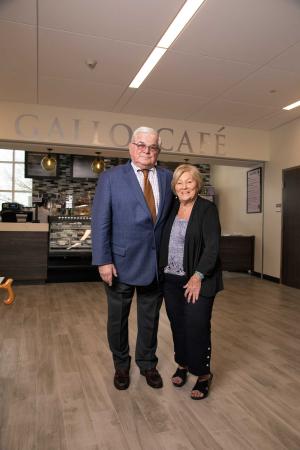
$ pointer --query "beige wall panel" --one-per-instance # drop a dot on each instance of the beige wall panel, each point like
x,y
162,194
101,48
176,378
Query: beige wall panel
x,y
231,188
33,123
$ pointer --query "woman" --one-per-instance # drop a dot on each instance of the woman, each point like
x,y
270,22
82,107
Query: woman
x,y
192,277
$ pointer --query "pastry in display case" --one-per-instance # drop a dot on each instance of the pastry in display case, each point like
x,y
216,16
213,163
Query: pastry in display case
x,y
70,233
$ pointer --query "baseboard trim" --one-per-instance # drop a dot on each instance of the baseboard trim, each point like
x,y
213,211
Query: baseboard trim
x,y
266,277
27,282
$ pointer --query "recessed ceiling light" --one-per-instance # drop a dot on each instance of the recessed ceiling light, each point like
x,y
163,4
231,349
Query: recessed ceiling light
x,y
183,17
292,106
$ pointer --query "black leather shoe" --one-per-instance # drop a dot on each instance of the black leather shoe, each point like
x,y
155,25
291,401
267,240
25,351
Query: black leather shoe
x,y
153,378
121,379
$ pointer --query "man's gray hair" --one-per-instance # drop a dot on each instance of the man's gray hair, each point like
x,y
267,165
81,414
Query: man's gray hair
x,y
147,130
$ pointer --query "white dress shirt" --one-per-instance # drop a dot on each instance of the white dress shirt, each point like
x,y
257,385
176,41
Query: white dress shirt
x,y
153,181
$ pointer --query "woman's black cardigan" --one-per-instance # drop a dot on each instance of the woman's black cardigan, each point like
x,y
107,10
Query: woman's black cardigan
x,y
201,246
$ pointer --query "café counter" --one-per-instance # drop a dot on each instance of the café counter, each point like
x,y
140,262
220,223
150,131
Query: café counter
x,y
59,251
24,250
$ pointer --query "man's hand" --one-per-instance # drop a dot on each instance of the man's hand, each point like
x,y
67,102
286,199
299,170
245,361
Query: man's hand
x,y
192,289
107,272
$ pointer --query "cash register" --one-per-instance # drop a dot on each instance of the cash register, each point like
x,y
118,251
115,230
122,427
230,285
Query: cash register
x,y
15,212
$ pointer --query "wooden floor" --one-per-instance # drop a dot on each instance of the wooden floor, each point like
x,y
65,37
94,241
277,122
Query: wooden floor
x,y
56,388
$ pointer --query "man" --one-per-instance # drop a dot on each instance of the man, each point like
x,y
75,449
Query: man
x,y
129,210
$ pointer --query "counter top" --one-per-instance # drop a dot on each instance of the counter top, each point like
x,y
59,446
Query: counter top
x,y
23,227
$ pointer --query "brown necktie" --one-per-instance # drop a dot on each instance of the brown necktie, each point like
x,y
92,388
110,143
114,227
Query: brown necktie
x,y
148,193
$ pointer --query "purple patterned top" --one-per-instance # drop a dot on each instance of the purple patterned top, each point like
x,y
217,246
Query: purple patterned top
x,y
176,247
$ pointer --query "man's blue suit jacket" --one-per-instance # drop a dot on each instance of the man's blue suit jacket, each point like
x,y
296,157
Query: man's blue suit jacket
x,y
122,229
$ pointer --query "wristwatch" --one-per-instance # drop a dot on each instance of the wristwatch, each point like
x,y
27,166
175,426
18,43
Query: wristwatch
x,y
199,274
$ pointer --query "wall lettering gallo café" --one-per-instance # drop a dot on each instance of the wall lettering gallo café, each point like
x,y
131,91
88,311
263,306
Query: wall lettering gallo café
x,y
116,135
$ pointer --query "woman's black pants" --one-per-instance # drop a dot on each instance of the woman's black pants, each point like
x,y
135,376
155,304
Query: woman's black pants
x,y
190,324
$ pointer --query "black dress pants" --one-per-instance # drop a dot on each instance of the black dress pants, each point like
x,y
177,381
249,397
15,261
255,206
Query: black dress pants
x,y
190,324
149,300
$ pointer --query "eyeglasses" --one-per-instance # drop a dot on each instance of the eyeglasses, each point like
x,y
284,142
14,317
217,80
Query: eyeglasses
x,y
141,146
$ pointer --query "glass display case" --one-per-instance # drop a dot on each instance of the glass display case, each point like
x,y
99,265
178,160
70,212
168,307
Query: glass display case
x,y
70,233
70,254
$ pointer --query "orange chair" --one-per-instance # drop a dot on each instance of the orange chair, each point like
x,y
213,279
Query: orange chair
x,y
6,284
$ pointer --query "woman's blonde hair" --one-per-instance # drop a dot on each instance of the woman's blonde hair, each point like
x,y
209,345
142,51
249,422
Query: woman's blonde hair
x,y
194,171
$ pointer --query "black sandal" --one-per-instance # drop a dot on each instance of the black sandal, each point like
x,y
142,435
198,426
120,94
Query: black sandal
x,y
180,373
203,387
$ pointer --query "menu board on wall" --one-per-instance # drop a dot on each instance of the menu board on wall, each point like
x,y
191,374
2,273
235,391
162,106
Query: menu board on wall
x,y
254,190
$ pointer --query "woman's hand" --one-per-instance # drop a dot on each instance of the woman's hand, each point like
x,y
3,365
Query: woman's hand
x,y
192,289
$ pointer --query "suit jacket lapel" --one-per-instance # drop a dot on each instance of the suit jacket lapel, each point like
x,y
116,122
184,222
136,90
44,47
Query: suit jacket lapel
x,y
134,186
162,179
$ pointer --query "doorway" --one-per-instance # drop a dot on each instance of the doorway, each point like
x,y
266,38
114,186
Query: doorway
x,y
290,267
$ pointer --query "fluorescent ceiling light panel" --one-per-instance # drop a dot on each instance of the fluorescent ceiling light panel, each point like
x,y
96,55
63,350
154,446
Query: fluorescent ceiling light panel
x,y
292,106
180,21
147,67
183,17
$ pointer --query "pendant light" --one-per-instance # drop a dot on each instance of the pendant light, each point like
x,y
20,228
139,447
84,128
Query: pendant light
x,y
98,164
48,162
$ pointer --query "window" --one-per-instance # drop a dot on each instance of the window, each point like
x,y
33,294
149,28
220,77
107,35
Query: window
x,y
14,187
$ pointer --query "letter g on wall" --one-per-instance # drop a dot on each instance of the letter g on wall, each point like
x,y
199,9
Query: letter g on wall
x,y
25,126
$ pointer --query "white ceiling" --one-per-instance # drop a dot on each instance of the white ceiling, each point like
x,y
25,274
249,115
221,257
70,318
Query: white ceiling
x,y
220,70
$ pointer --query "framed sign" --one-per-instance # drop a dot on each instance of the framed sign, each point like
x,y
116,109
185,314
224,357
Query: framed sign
x,y
254,190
